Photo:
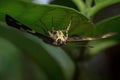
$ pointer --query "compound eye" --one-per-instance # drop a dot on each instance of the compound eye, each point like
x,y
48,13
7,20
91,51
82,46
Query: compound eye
x,y
55,32
51,31
59,41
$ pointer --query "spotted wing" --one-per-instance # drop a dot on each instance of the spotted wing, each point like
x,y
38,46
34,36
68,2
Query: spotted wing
x,y
85,39
16,24
79,39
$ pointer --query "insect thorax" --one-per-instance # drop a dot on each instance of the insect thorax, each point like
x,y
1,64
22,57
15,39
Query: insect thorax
x,y
58,36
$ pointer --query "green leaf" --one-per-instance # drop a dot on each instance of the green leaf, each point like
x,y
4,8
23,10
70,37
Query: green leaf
x,y
53,60
105,1
108,25
90,7
67,3
9,61
81,5
38,16
103,27
99,5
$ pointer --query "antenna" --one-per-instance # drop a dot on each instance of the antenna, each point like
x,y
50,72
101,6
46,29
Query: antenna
x,y
52,24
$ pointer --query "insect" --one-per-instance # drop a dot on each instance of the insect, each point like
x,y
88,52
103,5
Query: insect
x,y
54,37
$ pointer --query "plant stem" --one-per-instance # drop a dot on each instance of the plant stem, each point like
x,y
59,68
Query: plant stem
x,y
99,7
80,4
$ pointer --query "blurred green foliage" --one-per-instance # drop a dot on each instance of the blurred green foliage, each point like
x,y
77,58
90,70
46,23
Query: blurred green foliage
x,y
26,57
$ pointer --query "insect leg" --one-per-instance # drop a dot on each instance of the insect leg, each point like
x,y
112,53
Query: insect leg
x,y
68,27
51,35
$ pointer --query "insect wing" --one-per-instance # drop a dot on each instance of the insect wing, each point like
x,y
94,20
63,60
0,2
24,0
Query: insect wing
x,y
85,39
78,39
16,24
